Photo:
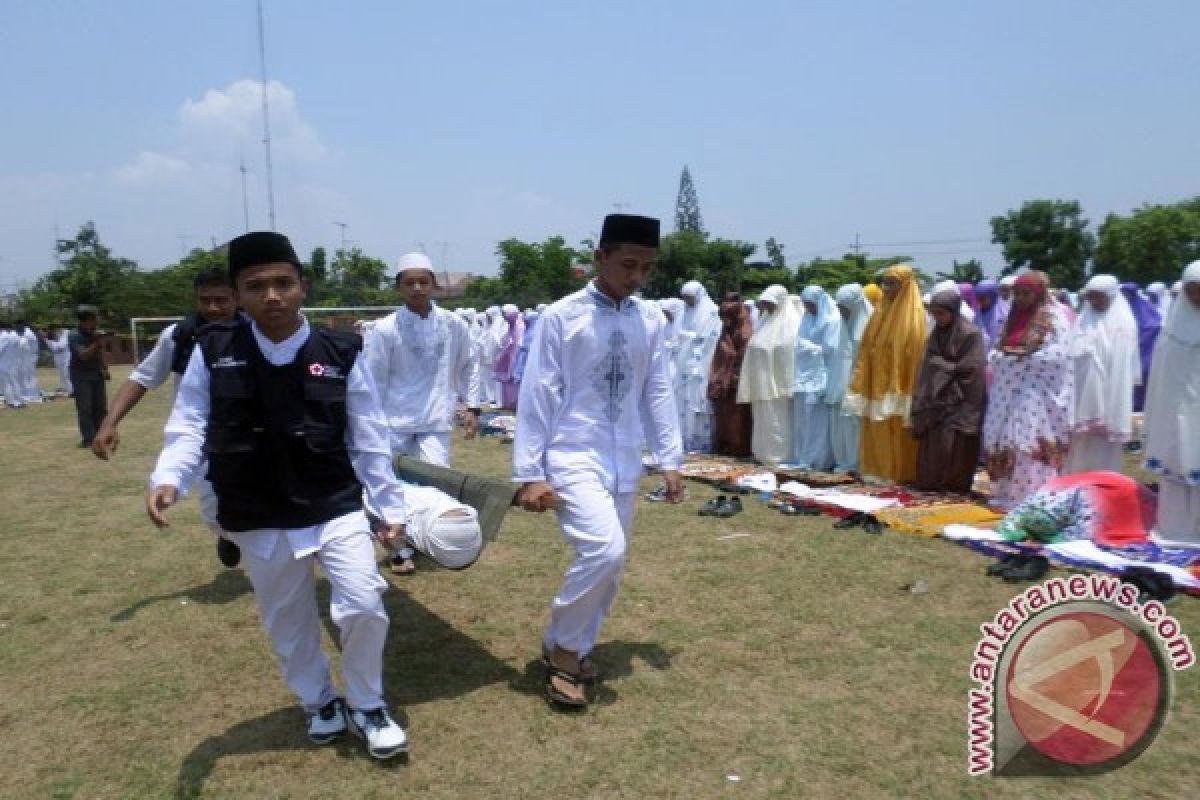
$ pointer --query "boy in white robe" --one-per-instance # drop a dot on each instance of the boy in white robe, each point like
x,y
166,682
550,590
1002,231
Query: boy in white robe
x,y
423,361
597,377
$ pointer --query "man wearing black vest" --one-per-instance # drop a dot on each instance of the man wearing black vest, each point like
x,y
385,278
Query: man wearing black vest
x,y
289,422
214,302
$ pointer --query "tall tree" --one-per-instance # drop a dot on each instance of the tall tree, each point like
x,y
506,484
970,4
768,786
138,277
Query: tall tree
x,y
1151,244
687,205
1048,235
775,254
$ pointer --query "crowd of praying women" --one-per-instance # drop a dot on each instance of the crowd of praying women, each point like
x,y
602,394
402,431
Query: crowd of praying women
x,y
1027,382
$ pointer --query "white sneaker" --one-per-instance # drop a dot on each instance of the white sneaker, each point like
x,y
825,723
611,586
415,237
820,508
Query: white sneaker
x,y
328,723
383,736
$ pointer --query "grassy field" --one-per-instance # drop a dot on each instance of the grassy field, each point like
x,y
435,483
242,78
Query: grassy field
x,y
786,663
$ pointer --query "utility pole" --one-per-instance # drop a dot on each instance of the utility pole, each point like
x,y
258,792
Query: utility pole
x,y
445,260
620,206
245,200
857,246
262,62
343,226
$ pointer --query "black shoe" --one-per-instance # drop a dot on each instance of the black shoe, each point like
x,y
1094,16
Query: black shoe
x,y
1003,565
872,526
712,506
228,553
1030,569
728,508
735,504
852,521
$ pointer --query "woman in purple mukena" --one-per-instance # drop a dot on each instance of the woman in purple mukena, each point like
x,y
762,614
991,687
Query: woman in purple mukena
x,y
993,311
1149,323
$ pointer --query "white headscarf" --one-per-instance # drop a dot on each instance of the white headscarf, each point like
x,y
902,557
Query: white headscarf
x,y
965,311
1104,346
674,333
849,338
1173,392
1160,297
702,313
769,367
816,342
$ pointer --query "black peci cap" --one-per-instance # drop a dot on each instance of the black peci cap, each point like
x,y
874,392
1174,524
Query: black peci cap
x,y
259,247
629,229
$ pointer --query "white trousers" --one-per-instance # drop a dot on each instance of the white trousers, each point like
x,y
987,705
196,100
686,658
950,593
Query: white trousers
x,y
1090,452
597,524
1179,511
286,591
29,384
771,433
13,396
844,430
432,448
64,374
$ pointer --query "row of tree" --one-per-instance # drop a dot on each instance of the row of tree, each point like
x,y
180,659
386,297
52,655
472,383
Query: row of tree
x,y
1150,244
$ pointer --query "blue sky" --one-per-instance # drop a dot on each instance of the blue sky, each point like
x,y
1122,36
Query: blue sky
x,y
469,122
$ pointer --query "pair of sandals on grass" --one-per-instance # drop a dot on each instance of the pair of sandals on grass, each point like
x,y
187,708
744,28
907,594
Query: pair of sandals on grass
x,y
565,688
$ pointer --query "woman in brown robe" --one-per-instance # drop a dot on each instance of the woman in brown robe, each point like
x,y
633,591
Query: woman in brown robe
x,y
731,420
949,401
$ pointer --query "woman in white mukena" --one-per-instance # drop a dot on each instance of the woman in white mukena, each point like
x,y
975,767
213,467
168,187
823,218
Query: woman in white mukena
x,y
1173,416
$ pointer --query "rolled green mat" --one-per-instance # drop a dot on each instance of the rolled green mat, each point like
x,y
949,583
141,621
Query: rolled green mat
x,y
490,498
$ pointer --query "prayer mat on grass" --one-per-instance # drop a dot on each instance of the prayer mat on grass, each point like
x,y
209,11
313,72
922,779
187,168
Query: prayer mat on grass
x,y
930,520
1180,564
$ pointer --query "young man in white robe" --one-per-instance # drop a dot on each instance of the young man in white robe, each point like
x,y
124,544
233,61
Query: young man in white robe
x,y
422,359
597,377
1173,416
10,355
702,320
1103,345
27,364
61,354
288,421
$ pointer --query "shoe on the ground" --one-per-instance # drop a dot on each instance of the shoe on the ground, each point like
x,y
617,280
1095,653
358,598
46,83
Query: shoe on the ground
x,y
376,727
712,506
228,553
851,521
1029,569
402,565
872,526
1001,566
731,506
328,723
659,495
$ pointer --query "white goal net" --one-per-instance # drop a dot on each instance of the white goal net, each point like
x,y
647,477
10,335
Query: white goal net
x,y
144,331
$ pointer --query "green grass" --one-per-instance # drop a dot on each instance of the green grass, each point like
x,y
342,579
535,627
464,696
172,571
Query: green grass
x,y
133,666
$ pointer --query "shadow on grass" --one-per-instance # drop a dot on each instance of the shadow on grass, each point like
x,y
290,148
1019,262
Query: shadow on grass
x,y
227,586
277,731
425,659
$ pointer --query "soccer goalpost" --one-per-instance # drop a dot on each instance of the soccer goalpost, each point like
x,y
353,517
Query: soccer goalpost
x,y
144,331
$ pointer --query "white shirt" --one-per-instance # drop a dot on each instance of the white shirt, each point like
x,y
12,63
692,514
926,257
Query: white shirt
x,y
155,368
366,443
422,367
9,350
62,353
597,375
29,346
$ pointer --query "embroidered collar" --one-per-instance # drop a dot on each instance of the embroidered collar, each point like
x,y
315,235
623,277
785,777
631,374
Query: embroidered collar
x,y
604,301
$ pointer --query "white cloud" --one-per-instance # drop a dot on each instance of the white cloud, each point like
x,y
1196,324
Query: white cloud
x,y
150,168
233,116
